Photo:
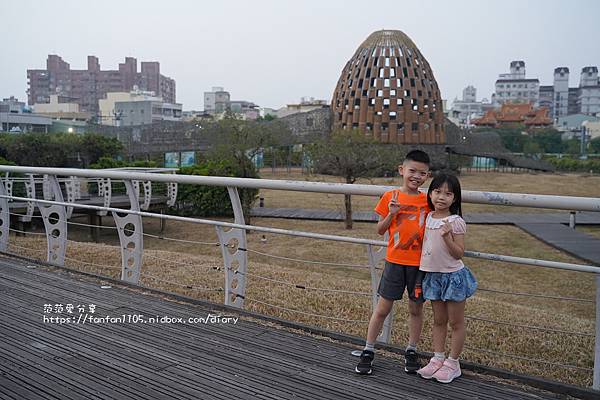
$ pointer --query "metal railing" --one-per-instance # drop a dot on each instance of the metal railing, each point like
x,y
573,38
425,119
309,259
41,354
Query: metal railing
x,y
233,244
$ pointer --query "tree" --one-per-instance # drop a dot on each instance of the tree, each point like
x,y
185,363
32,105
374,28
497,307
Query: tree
x,y
237,142
573,147
513,139
57,149
352,155
95,146
595,145
549,140
532,148
268,117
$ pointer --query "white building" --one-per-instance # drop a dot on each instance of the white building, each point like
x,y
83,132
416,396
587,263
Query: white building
x,y
15,118
467,109
306,104
136,108
514,87
561,93
588,100
216,101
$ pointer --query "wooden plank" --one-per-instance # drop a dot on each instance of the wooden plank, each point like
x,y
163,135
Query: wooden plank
x,y
188,361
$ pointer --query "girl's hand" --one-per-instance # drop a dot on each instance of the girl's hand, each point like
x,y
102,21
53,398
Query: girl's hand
x,y
446,228
393,205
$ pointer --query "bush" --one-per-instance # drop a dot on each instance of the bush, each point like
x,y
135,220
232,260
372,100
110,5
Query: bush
x,y
573,165
57,149
119,187
108,162
209,201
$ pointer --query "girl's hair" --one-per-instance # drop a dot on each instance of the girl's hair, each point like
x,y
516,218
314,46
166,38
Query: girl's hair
x,y
453,186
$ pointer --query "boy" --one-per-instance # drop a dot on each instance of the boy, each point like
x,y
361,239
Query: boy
x,y
402,213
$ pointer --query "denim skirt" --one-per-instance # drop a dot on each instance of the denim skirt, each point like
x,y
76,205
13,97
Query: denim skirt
x,y
449,286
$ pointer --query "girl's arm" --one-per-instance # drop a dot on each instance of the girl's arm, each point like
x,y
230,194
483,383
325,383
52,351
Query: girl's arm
x,y
455,243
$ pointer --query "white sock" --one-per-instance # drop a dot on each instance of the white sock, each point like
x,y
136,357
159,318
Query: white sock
x,y
439,356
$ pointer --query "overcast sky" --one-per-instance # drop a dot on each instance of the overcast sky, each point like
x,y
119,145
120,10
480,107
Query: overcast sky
x,y
274,52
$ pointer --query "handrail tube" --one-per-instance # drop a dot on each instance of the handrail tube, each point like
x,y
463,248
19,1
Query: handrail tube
x,y
347,239
478,197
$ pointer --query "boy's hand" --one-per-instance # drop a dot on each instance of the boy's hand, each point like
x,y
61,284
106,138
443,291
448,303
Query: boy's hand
x,y
393,204
446,228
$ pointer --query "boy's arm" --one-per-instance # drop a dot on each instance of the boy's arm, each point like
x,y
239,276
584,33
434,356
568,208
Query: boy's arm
x,y
384,223
393,208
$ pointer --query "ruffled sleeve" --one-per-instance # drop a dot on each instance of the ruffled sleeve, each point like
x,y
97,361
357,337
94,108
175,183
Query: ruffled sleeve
x,y
459,226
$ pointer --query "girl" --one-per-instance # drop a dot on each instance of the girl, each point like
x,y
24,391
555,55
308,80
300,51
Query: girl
x,y
448,283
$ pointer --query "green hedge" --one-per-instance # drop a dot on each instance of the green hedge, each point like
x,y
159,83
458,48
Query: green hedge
x,y
209,201
573,165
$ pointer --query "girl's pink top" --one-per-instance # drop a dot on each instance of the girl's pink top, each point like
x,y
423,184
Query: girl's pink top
x,y
435,256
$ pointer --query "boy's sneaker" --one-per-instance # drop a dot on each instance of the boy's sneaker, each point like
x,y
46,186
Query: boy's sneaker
x,y
448,372
411,361
365,364
428,370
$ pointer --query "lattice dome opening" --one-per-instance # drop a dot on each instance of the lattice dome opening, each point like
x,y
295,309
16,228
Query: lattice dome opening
x,y
387,90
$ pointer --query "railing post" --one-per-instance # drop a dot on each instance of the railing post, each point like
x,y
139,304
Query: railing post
x,y
596,381
105,190
9,185
30,190
46,191
71,195
55,222
572,220
171,193
4,219
136,187
131,238
235,279
147,194
375,257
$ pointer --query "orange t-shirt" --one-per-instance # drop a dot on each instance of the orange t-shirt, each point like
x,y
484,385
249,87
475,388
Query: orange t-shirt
x,y
407,227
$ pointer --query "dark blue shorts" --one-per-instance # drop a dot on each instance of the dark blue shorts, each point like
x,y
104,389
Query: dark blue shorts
x,y
396,278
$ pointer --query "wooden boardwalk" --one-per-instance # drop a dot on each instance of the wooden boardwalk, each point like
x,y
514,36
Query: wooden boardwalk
x,y
551,228
246,360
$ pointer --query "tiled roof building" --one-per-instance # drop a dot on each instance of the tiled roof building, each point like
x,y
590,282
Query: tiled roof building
x,y
515,114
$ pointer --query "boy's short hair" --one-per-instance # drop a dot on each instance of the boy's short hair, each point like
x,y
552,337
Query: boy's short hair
x,y
418,156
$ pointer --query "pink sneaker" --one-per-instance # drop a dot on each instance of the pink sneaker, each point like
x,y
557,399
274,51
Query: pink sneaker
x,y
448,372
428,370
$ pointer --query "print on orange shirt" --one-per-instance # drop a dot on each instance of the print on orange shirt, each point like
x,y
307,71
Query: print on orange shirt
x,y
407,228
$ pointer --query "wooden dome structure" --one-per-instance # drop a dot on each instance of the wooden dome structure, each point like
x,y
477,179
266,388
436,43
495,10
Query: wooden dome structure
x,y
387,90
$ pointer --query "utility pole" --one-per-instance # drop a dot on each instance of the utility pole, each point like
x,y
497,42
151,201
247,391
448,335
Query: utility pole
x,y
583,148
